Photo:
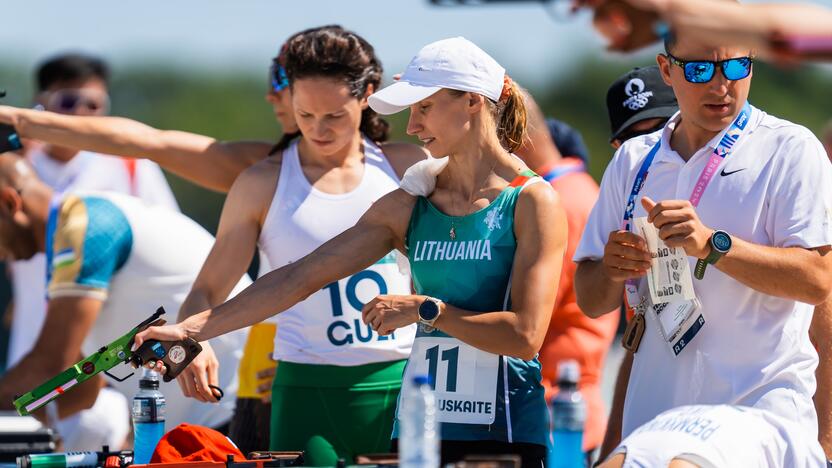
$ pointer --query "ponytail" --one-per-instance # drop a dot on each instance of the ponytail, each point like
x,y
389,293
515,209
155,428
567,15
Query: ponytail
x,y
373,126
511,117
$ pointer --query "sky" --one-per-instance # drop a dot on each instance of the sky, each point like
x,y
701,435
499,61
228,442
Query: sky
x,y
244,34
230,35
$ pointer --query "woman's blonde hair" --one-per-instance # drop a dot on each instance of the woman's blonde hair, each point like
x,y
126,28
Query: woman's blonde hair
x,y
509,115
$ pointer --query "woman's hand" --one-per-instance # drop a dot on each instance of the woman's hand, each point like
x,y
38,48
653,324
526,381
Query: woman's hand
x,y
203,371
176,332
386,313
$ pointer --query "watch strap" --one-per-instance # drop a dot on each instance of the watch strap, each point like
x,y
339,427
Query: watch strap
x,y
699,270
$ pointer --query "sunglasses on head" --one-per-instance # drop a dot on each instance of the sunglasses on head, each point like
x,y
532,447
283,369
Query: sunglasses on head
x,y
70,101
278,77
702,71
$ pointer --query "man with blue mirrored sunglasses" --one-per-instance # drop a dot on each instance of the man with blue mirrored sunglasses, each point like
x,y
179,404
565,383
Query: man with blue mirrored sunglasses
x,y
702,71
748,198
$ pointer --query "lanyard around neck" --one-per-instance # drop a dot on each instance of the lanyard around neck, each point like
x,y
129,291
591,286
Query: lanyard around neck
x,y
560,171
722,150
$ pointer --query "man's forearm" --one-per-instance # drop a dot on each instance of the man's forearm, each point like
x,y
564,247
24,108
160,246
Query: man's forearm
x,y
597,294
792,273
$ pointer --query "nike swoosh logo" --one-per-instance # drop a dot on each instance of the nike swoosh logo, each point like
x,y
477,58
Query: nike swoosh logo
x,y
723,173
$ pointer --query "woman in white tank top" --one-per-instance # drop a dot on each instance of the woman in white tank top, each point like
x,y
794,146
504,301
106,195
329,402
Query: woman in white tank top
x,y
335,373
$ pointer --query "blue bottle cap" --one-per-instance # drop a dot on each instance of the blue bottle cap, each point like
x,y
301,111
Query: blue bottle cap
x,y
421,380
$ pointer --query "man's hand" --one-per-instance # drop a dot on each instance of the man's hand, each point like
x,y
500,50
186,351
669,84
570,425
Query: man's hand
x,y
625,256
679,226
203,371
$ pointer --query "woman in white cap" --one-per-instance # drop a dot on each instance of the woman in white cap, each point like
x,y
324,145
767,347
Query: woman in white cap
x,y
485,244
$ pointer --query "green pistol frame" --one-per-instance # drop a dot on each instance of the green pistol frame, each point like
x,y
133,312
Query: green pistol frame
x,y
102,360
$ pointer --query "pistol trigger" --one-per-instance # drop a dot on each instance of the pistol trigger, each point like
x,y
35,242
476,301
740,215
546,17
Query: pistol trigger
x,y
119,379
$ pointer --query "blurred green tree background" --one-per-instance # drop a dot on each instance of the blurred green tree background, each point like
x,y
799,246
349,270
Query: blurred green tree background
x,y
231,106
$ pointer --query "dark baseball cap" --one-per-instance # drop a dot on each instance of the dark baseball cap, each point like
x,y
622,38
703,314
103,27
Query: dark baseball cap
x,y
639,94
569,141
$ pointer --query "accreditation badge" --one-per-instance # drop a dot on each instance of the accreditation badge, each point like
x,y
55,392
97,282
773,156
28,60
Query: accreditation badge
x,y
677,310
679,321
465,378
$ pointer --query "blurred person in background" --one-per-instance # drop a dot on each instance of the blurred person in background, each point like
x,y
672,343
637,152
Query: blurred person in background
x,y
571,334
568,141
77,84
112,260
780,31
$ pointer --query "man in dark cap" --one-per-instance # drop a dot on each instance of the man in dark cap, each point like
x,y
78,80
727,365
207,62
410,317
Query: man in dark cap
x,y
639,102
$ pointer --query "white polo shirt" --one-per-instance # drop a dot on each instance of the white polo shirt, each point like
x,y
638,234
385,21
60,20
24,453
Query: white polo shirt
x,y
754,349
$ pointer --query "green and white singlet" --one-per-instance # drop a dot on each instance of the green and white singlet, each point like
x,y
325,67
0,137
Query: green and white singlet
x,y
326,328
480,396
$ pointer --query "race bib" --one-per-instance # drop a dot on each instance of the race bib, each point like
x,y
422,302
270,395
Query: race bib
x,y
465,378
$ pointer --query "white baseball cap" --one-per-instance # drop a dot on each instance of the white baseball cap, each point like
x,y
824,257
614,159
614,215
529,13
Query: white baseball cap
x,y
454,63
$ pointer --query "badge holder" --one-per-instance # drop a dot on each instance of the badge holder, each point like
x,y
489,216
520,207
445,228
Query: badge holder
x,y
636,326
679,321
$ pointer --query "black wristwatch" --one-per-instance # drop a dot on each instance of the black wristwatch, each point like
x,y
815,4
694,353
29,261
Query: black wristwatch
x,y
720,245
429,311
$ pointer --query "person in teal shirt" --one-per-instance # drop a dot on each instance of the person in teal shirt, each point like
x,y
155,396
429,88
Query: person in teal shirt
x,y
485,243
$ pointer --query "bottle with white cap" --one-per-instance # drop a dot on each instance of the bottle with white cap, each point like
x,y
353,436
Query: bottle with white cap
x,y
148,417
568,418
419,438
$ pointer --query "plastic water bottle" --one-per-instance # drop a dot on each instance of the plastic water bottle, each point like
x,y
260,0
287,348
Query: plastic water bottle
x,y
568,418
419,435
148,417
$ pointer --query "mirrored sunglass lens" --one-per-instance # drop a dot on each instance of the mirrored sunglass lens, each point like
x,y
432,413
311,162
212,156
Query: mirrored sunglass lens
x,y
278,78
699,72
736,69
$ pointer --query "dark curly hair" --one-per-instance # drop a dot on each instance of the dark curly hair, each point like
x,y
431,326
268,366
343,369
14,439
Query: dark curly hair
x,y
334,52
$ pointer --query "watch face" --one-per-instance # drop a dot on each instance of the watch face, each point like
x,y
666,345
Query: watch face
x,y
428,310
721,241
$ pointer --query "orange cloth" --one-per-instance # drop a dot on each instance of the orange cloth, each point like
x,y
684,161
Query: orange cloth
x,y
189,443
573,335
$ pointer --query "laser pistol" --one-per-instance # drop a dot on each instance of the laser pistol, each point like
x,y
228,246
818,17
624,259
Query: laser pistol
x,y
176,355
